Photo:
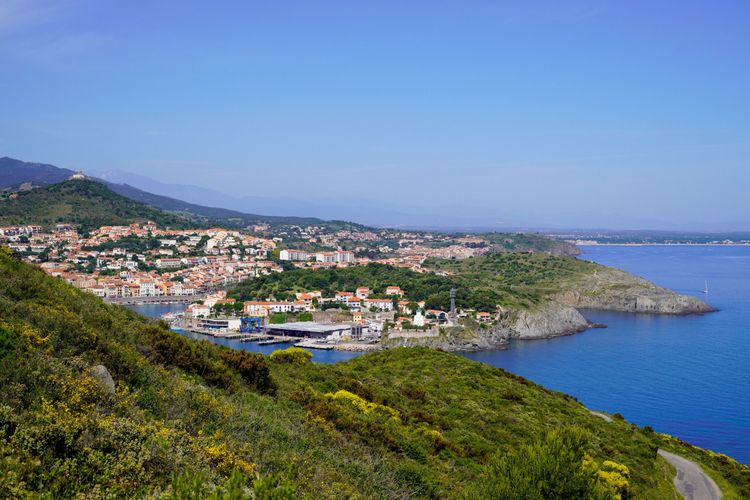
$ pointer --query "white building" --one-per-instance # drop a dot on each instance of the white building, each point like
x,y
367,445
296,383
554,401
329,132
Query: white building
x,y
289,254
147,288
198,310
381,304
340,256
418,318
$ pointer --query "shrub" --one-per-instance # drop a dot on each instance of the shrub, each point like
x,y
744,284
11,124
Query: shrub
x,y
252,367
549,468
292,355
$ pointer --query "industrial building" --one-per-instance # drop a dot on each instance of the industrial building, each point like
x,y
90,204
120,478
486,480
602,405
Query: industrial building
x,y
309,329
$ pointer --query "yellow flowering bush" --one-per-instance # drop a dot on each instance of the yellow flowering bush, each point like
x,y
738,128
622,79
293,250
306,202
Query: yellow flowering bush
x,y
226,461
363,405
612,477
292,355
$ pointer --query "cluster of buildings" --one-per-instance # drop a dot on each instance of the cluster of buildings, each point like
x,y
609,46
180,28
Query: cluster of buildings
x,y
140,260
338,256
371,314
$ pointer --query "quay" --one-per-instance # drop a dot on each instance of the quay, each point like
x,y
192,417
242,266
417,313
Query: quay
x,y
276,340
159,299
257,337
311,344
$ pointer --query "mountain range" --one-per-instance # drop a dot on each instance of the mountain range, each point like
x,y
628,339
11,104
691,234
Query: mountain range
x,y
15,174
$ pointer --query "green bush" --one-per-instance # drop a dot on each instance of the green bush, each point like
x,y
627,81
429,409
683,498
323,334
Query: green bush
x,y
252,367
552,468
292,355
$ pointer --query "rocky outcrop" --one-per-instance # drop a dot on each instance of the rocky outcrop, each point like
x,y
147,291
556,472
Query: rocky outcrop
x,y
551,320
565,249
615,290
458,339
104,379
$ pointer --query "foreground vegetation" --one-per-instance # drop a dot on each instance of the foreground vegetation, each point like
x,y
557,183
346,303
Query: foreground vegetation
x,y
186,418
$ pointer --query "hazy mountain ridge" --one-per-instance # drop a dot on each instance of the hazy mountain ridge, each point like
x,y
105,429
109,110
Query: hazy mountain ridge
x,y
14,172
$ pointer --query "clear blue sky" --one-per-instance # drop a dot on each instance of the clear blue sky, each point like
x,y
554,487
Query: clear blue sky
x,y
547,113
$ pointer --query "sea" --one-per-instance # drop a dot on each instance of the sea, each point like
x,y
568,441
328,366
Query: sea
x,y
688,376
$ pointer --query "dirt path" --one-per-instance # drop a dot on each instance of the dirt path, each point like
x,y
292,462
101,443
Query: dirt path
x,y
691,482
601,415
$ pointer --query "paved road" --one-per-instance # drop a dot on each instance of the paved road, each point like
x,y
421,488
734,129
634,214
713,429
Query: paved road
x,y
691,481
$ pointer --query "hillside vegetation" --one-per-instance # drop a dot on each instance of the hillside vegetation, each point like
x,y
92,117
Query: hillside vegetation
x,y
86,203
187,418
509,279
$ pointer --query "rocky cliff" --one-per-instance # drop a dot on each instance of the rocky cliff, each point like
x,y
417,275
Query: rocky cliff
x,y
459,339
551,320
615,290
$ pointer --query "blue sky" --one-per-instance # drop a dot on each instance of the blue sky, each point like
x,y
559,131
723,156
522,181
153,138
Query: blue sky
x,y
551,113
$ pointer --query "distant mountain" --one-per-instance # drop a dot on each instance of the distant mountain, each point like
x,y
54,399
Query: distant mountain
x,y
189,193
14,172
86,203
222,215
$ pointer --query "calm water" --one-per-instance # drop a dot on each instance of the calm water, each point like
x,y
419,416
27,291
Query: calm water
x,y
687,376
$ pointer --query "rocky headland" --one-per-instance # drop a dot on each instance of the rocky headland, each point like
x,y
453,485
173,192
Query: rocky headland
x,y
615,290
603,289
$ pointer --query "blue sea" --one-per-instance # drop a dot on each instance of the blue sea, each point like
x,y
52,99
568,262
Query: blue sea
x,y
687,376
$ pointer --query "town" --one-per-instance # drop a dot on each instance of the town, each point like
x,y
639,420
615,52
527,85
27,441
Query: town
x,y
142,263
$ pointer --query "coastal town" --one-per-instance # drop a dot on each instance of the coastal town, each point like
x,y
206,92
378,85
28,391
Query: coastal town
x,y
142,263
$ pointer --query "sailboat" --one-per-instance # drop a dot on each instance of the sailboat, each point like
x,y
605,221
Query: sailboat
x,y
705,288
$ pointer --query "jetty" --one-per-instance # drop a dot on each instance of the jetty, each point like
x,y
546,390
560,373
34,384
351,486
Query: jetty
x,y
276,340
311,344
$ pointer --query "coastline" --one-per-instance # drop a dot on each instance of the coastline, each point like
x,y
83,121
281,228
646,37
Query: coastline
x,y
595,244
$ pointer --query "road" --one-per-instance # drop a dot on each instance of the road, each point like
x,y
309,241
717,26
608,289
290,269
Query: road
x,y
691,482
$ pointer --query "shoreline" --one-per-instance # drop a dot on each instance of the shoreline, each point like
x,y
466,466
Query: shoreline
x,y
594,244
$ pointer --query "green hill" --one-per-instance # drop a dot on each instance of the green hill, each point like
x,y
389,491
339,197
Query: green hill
x,y
189,419
86,203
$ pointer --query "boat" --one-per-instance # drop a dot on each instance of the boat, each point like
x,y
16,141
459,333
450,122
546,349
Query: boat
x,y
705,288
